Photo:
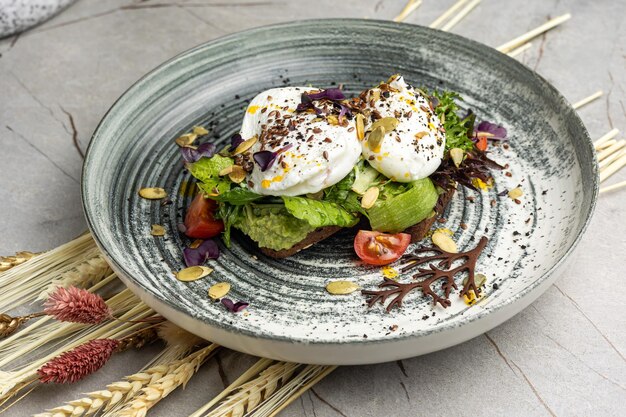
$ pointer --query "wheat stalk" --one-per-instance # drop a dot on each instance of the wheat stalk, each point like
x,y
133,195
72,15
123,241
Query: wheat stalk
x,y
252,393
176,375
118,393
85,274
8,262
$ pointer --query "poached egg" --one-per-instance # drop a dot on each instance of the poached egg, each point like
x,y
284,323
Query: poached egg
x,y
414,148
312,152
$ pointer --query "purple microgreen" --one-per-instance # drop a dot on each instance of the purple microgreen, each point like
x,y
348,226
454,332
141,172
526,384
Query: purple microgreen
x,y
234,307
306,103
206,150
344,111
498,132
235,141
265,159
197,256
333,94
434,101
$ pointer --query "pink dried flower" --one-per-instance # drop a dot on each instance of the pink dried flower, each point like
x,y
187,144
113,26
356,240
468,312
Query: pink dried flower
x,y
78,362
76,305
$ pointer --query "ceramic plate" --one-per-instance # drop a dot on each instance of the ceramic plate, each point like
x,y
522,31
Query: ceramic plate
x,y
291,317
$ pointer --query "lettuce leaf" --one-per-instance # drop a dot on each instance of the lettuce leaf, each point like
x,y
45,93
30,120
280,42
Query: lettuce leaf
x,y
207,170
319,213
238,196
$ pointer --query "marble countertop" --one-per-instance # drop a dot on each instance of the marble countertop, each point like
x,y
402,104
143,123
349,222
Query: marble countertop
x,y
565,355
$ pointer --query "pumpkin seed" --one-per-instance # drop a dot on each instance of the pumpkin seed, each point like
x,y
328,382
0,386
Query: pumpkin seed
x,y
245,145
200,130
332,120
237,174
193,273
186,139
196,243
516,193
479,280
360,126
157,230
375,94
420,135
375,139
370,197
341,287
457,156
389,123
444,242
152,193
226,171
219,290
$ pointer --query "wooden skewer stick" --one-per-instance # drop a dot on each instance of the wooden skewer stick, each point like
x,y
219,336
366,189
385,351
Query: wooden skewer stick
x,y
613,168
587,100
409,8
610,159
616,147
605,145
607,136
522,39
464,12
446,15
515,52
613,187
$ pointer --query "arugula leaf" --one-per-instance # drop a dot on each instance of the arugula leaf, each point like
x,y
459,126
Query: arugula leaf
x,y
237,196
458,131
319,213
230,215
342,194
207,170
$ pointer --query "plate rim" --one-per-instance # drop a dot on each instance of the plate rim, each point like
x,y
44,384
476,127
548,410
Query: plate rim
x,y
485,312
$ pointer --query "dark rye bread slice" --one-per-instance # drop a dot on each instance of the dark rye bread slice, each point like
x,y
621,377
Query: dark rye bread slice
x,y
417,231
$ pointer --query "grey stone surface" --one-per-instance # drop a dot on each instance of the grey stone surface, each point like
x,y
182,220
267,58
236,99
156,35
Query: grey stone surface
x,y
565,355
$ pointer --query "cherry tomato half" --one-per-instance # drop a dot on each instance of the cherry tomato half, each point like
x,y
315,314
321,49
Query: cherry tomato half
x,y
200,222
376,248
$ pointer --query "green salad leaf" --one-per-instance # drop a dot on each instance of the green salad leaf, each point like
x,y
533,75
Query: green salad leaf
x,y
342,194
238,196
230,215
207,170
458,131
319,213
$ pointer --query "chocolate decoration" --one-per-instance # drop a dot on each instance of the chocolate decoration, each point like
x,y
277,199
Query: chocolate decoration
x,y
433,273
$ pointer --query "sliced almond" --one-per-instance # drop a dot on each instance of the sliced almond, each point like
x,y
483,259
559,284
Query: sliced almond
x,y
444,242
186,140
226,171
152,193
388,123
360,126
370,197
515,193
375,139
457,156
219,290
200,130
237,174
341,287
193,273
245,145
157,230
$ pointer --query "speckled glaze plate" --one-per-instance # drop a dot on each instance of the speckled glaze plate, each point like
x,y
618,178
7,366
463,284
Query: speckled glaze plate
x,y
291,317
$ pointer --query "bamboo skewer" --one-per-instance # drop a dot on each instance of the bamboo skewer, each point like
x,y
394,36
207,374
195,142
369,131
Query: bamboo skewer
x,y
522,39
446,15
605,145
464,12
613,168
613,187
610,159
613,149
409,8
587,100
515,52
606,137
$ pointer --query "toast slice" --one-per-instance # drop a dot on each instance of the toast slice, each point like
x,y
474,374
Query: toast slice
x,y
417,231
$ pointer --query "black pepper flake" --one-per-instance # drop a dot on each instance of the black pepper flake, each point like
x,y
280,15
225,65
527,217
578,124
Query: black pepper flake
x,y
496,286
425,317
